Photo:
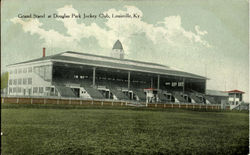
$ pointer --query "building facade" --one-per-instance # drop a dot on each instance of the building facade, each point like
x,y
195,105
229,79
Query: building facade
x,y
87,76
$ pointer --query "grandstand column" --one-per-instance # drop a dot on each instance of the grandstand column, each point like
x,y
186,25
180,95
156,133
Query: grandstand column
x,y
128,80
158,82
183,87
151,82
94,76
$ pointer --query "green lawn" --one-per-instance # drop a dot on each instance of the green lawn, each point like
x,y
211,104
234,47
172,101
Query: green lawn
x,y
67,129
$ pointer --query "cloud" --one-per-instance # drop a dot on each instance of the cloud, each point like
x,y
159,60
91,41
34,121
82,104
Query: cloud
x,y
168,31
33,26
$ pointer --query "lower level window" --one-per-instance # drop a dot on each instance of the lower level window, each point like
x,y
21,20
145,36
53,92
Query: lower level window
x,y
10,90
40,89
35,90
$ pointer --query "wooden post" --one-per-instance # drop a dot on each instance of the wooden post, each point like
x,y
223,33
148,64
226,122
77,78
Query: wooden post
x,y
151,82
158,82
128,81
94,70
17,100
80,102
57,101
31,101
183,87
92,102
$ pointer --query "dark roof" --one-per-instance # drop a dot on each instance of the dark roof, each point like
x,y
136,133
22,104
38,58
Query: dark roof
x,y
235,91
216,93
104,61
118,45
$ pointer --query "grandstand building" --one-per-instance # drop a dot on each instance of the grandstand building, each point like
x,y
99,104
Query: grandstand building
x,y
88,76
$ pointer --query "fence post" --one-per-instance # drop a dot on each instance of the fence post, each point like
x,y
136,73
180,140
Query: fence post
x,y
17,100
102,103
164,105
186,106
57,101
193,106
92,102
126,103
80,102
31,101
44,101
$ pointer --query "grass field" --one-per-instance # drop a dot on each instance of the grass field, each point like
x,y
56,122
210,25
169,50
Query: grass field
x,y
68,129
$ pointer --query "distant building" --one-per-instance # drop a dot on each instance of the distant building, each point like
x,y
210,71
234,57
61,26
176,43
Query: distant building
x,y
217,96
235,98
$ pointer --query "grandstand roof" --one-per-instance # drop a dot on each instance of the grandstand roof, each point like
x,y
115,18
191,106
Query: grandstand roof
x,y
216,93
110,62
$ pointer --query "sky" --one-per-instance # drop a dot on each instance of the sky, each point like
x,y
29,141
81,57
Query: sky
x,y
208,38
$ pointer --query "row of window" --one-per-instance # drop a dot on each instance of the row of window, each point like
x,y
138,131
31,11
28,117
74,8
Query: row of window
x,y
105,78
21,70
38,90
15,90
20,81
35,90
80,77
175,84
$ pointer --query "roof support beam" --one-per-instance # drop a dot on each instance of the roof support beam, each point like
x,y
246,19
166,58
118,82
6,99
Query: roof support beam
x,y
183,87
128,80
94,76
151,86
158,82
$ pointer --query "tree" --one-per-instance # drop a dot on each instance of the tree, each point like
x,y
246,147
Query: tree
x,y
4,80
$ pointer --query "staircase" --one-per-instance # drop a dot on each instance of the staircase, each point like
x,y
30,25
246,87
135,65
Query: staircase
x,y
140,93
94,93
178,96
162,97
65,91
208,98
119,94
195,98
